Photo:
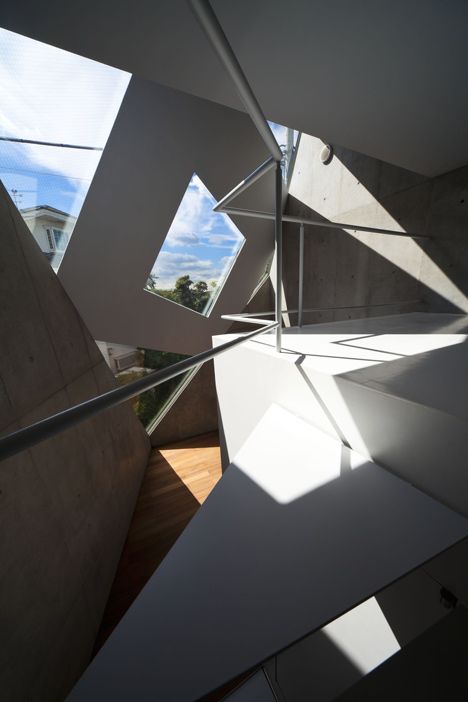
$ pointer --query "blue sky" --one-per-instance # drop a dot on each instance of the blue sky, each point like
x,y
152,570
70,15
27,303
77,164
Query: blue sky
x,y
200,242
52,95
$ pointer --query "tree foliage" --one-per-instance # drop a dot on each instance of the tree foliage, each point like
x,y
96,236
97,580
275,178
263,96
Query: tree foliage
x,y
195,296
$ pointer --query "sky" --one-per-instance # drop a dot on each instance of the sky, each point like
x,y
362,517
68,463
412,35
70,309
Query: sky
x,y
48,94
200,242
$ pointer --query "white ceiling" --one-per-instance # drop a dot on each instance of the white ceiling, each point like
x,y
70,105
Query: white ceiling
x,y
388,79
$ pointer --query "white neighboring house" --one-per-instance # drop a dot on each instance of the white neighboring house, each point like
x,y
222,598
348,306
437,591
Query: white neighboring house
x,y
118,356
52,230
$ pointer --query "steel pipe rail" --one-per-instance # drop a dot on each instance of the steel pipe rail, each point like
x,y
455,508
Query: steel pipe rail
x,y
258,214
15,140
245,316
300,292
246,183
46,428
278,251
248,318
215,33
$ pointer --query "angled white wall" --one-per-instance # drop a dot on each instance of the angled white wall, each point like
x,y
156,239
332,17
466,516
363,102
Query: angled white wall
x,y
159,139
392,388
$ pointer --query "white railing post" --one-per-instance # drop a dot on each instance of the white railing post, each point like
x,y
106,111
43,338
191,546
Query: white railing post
x,y
278,250
300,293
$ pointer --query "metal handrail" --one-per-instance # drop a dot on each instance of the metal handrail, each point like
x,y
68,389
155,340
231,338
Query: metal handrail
x,y
254,317
244,184
259,214
46,428
217,38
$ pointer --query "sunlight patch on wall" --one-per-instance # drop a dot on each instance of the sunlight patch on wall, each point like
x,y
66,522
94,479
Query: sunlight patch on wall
x,y
364,636
411,258
405,253
339,195
304,460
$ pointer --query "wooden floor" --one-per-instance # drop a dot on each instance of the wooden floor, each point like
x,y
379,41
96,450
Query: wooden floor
x,y
178,479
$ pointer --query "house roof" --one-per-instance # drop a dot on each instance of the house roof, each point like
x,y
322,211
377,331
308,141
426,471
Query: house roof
x,y
48,208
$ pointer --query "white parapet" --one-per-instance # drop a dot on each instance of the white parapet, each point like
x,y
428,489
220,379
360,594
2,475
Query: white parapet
x,y
392,388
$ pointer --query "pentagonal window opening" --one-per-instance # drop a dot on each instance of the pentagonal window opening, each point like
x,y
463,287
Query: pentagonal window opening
x,y
198,252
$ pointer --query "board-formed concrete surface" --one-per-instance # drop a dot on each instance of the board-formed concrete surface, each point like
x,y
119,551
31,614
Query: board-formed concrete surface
x,y
65,504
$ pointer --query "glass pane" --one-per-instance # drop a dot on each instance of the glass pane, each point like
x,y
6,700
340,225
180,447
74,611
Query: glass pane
x,y
50,95
287,140
197,254
129,363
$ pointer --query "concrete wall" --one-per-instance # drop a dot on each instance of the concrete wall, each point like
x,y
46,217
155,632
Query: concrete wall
x,y
347,268
65,505
194,412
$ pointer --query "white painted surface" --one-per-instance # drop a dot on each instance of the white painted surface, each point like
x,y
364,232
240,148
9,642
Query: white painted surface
x,y
331,660
433,667
364,636
382,79
263,460
307,377
251,575
408,412
159,139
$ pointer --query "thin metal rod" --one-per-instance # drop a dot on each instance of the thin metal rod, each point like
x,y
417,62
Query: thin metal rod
x,y
258,214
300,292
246,183
209,22
51,143
279,251
241,317
246,318
46,428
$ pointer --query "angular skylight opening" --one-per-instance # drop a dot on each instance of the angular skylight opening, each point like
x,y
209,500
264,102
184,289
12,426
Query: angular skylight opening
x,y
52,96
198,252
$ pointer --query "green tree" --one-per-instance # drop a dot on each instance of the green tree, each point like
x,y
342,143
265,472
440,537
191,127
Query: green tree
x,y
200,295
183,292
195,296
149,404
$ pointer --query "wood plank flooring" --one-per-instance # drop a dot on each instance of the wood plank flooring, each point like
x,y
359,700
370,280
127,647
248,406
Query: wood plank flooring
x,y
178,479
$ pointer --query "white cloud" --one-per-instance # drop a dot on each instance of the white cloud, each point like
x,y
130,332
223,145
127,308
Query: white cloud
x,y
227,260
220,240
196,213
180,238
194,202
169,266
